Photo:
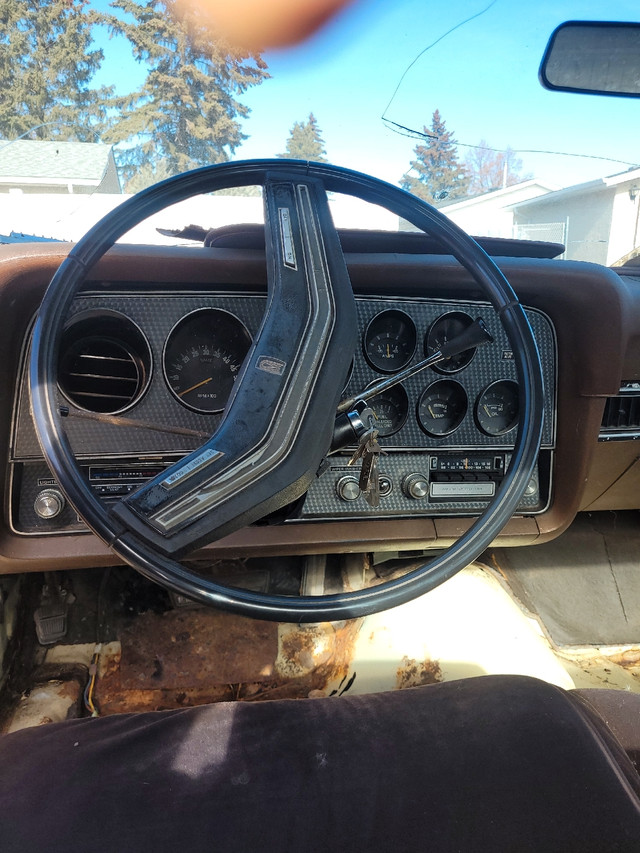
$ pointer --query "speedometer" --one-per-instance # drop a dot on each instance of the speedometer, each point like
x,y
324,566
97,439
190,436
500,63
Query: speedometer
x,y
202,358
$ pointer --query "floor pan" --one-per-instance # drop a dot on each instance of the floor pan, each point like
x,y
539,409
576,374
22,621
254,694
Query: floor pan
x,y
585,585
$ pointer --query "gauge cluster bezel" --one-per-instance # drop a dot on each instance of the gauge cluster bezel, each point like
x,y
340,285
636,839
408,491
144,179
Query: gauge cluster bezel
x,y
156,314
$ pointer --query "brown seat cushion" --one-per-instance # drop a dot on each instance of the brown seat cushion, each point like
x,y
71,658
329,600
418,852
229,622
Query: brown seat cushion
x,y
486,764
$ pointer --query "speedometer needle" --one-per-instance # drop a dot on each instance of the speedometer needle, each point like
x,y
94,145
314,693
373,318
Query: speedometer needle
x,y
197,385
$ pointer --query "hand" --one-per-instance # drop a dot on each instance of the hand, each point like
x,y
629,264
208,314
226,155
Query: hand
x,y
256,25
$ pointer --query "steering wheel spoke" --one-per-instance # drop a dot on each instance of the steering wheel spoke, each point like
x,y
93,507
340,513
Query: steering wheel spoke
x,y
279,421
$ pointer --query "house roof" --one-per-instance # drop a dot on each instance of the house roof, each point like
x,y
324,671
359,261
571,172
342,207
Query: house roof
x,y
501,194
597,185
54,162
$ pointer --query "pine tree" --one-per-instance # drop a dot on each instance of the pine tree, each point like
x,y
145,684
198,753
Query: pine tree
x,y
305,142
491,170
186,112
46,66
439,175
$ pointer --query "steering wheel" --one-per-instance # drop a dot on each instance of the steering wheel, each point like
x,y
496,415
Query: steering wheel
x,y
279,421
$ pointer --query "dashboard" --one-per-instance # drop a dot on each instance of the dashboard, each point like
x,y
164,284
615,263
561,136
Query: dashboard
x,y
145,377
154,343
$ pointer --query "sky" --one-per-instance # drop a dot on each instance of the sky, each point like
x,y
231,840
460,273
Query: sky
x,y
483,77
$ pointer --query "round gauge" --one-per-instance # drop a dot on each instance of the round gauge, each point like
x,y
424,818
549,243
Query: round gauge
x,y
444,329
391,408
498,407
442,407
390,341
202,358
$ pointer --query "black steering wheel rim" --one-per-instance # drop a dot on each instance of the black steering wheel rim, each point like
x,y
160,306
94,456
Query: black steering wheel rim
x,y
172,574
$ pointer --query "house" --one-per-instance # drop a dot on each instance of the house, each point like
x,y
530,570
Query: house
x,y
491,214
29,166
597,221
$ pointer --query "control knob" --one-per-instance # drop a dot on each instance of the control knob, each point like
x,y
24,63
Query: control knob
x,y
348,488
415,486
49,503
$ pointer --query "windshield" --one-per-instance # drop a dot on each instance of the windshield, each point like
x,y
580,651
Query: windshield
x,y
101,99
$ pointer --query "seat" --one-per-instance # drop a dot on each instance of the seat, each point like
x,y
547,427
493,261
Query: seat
x,y
495,763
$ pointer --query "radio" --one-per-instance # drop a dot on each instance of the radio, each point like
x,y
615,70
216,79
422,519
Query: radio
x,y
38,505
465,476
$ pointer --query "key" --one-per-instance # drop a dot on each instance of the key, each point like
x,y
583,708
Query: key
x,y
369,450
363,442
369,477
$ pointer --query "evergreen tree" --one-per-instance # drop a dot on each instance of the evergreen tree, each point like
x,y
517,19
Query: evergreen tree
x,y
439,176
46,66
492,170
305,142
186,112
148,174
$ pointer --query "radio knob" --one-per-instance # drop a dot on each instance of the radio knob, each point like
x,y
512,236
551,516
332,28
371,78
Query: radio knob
x,y
415,486
348,489
49,503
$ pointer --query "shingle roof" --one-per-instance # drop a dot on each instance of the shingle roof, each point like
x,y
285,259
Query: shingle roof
x,y
72,161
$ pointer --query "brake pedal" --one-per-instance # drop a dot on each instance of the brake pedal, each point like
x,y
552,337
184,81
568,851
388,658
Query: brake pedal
x,y
51,616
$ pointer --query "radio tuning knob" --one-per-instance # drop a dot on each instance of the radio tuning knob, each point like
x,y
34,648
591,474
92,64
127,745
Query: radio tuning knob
x,y
415,486
49,503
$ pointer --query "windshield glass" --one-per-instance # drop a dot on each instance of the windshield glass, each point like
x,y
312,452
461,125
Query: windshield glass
x,y
102,98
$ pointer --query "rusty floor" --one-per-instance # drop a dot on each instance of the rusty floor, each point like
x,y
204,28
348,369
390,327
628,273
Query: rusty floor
x,y
192,656
154,655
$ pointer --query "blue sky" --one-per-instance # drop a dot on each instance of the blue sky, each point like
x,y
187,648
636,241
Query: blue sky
x,y
482,78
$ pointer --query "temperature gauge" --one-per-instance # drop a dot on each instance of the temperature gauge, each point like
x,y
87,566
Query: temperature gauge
x,y
442,407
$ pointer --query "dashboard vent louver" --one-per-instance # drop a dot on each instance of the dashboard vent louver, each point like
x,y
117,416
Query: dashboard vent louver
x,y
105,362
100,375
621,416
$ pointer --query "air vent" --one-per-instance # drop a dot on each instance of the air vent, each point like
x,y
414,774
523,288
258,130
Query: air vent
x,y
105,371
621,418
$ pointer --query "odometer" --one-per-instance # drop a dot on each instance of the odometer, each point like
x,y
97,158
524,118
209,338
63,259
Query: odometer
x,y
202,358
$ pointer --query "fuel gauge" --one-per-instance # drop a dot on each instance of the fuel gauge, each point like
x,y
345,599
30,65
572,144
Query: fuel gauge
x,y
391,408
